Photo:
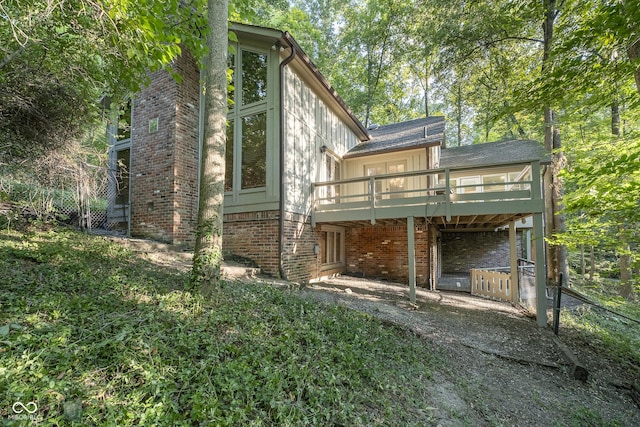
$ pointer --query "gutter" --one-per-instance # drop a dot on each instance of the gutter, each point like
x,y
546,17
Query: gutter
x,y
283,274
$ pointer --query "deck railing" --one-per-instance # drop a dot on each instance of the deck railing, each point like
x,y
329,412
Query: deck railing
x,y
492,284
496,283
433,187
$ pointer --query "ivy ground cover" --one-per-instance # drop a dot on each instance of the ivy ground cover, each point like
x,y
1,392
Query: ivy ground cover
x,y
90,334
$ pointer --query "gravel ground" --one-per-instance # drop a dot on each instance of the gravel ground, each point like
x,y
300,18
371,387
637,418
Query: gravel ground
x,y
504,369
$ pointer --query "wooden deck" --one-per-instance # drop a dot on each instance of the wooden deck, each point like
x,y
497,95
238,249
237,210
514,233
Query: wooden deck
x,y
427,194
433,196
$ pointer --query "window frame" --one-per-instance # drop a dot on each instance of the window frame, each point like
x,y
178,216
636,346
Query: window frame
x,y
236,115
384,167
331,171
119,143
334,256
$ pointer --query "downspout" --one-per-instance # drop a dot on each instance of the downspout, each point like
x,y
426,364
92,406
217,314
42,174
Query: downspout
x,y
283,274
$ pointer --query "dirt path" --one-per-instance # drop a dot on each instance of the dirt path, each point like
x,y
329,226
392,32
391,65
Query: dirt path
x,y
504,369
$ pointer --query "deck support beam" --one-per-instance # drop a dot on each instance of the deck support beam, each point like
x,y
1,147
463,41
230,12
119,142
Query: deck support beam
x,y
540,256
411,237
541,270
513,262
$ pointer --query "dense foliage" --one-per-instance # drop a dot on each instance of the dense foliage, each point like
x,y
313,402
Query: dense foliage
x,y
97,336
61,61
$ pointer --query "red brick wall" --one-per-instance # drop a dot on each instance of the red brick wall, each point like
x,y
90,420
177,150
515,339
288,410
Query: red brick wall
x,y
381,252
152,159
300,263
463,251
253,236
164,164
185,186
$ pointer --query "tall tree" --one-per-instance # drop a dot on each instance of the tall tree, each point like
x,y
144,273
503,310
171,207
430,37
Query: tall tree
x,y
207,257
557,263
371,35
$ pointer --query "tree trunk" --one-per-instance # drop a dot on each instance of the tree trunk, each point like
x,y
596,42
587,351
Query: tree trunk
x,y
633,51
615,118
556,254
207,257
459,111
559,161
547,28
427,68
592,260
626,290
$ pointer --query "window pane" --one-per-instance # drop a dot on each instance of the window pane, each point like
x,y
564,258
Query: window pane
x,y
376,170
124,122
338,244
254,77
228,158
330,247
231,64
122,176
254,151
396,184
467,185
323,247
493,179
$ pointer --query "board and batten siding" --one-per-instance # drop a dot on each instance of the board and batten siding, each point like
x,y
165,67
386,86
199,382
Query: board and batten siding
x,y
413,160
309,125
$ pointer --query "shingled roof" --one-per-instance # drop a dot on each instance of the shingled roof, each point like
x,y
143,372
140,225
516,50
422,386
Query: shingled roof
x,y
494,153
424,132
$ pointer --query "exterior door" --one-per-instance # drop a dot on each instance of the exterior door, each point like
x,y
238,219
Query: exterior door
x,y
389,185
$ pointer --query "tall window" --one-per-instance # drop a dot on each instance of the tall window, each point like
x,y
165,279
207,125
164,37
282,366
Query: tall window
x,y
228,164
246,151
122,150
254,150
254,77
122,176
124,123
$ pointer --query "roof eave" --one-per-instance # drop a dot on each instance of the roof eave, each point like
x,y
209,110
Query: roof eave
x,y
302,57
392,150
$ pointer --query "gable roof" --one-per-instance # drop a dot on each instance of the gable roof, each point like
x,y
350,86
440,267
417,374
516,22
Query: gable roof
x,y
494,153
418,133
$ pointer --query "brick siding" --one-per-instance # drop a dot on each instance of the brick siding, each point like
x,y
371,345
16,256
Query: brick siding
x,y
253,236
164,164
382,253
463,251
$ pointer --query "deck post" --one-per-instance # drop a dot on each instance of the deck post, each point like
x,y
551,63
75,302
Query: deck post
x,y
412,258
447,193
372,195
513,261
538,238
313,205
541,270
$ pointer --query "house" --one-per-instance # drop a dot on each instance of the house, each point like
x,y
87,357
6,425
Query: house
x,y
310,192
